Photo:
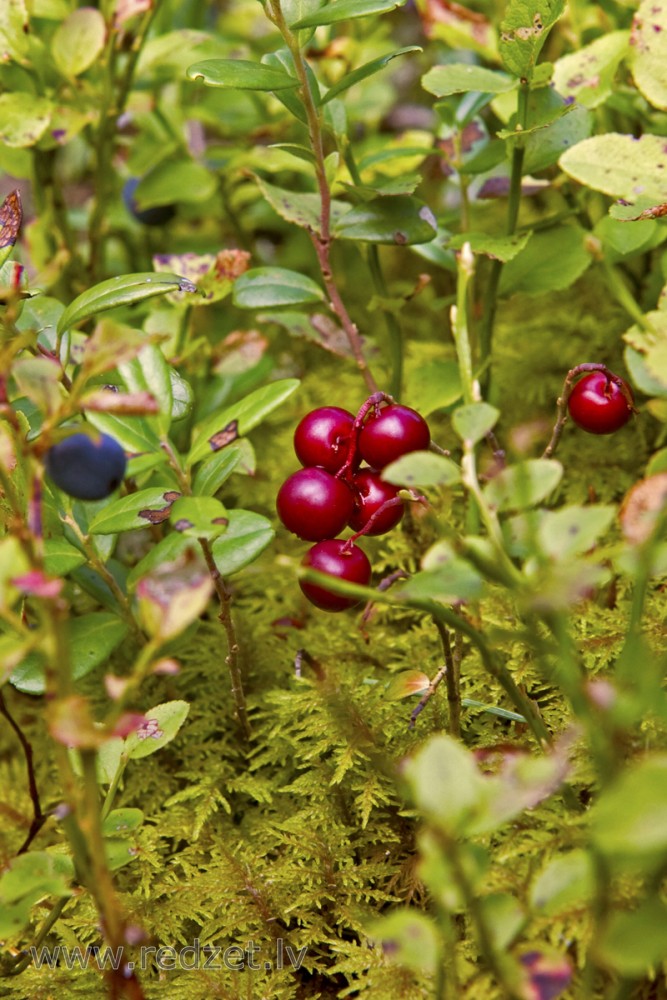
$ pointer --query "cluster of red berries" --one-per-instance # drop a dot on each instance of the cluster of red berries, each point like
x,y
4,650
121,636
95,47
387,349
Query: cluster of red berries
x,y
334,490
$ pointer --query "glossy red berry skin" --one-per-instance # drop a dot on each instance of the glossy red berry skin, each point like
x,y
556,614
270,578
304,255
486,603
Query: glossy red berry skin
x,y
322,437
342,560
598,405
314,504
394,431
370,493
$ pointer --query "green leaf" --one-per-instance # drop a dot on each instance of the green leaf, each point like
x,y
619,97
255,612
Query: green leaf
x,y
399,220
268,287
136,510
646,357
149,372
167,550
565,883
633,944
28,879
504,916
502,713
587,75
524,31
623,166
132,432
14,30
119,852
368,69
122,291
162,724
445,577
461,78
498,247
108,760
199,517
216,470
422,468
524,484
241,416
78,41
573,530
122,822
446,784
175,180
92,638
344,10
630,818
304,210
648,52
435,385
473,421
240,74
24,118
60,557
409,938
182,396
545,145
552,260
246,537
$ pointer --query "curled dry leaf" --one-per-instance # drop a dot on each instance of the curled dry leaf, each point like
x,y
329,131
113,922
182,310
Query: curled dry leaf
x,y
642,506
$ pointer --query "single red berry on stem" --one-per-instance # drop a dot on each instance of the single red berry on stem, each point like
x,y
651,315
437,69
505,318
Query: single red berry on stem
x,y
598,405
314,504
370,493
323,436
339,559
391,432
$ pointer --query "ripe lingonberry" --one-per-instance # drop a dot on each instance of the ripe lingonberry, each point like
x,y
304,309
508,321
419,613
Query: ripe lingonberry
x,y
391,432
342,560
598,405
86,468
322,437
314,504
371,492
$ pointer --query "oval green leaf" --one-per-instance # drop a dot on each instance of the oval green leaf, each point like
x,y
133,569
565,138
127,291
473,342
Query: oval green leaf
x,y
78,41
92,638
239,418
268,287
136,510
523,485
239,74
161,726
247,535
399,220
461,78
473,421
422,468
623,166
122,291
368,69
345,10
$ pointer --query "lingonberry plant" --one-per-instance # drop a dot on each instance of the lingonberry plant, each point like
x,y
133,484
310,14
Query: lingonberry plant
x,y
425,245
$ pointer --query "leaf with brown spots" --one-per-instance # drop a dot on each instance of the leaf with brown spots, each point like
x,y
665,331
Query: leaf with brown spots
x,y
225,436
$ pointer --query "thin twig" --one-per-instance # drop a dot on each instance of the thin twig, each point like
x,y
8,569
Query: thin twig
x,y
38,817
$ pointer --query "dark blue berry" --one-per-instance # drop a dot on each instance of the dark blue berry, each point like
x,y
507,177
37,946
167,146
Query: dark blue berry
x,y
157,215
86,468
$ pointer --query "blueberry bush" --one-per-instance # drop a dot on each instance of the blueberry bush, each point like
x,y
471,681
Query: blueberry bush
x,y
333,493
